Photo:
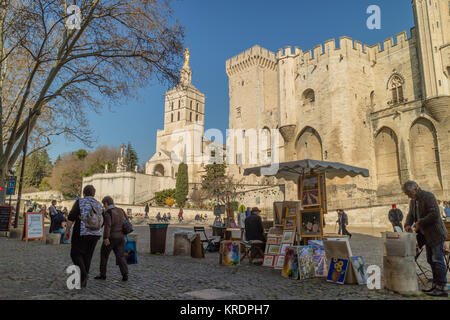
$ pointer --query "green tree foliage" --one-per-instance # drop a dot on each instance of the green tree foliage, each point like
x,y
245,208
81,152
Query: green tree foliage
x,y
161,196
37,166
182,186
81,154
131,157
214,179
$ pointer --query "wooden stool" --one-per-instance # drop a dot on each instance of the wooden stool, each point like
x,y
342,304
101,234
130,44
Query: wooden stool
x,y
252,246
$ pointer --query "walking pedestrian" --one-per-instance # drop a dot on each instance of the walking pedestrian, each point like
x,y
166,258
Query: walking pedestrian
x,y
147,209
425,217
396,217
343,223
84,239
113,239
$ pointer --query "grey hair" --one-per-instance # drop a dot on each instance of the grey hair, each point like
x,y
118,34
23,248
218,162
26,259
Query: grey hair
x,y
410,186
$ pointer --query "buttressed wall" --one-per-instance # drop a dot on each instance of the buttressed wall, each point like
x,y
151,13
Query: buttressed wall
x,y
383,107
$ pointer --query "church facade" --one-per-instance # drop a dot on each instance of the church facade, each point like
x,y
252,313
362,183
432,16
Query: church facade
x,y
382,107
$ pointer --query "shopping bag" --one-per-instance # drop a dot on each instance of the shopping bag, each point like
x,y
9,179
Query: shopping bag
x,y
130,251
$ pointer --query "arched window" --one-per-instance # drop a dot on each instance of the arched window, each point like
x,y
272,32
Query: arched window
x,y
171,117
178,116
308,96
396,86
179,104
196,108
190,116
191,105
196,117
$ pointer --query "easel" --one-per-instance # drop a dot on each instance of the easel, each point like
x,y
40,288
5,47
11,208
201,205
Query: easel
x,y
25,234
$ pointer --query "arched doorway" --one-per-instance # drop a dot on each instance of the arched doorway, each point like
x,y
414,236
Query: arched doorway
x,y
387,160
159,170
424,149
309,145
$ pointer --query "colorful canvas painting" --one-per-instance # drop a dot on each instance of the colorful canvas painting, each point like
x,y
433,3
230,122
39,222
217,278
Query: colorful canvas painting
x,y
316,244
279,262
337,270
273,249
311,224
289,223
288,237
320,263
306,262
268,260
290,267
231,253
360,269
310,198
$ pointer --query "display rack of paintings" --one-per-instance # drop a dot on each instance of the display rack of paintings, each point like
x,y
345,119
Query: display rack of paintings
x,y
273,245
311,223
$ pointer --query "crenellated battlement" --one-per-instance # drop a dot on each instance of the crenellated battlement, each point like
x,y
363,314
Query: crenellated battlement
x,y
348,48
254,56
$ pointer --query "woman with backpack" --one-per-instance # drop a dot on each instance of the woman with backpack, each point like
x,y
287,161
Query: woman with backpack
x,y
113,239
87,214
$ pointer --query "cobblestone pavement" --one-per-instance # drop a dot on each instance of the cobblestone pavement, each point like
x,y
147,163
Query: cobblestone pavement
x,y
37,271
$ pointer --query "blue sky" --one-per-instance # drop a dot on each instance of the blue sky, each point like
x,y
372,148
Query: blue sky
x,y
218,30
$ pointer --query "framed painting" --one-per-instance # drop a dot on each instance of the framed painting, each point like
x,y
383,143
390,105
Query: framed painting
x,y
288,237
291,211
337,270
273,240
289,223
268,260
311,223
306,262
273,249
279,261
310,191
284,248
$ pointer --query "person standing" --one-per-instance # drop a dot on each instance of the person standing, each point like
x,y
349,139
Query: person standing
x,y
147,209
343,223
180,215
113,239
396,217
53,213
425,217
84,239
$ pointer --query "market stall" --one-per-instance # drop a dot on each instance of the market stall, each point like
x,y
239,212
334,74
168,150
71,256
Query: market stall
x,y
296,243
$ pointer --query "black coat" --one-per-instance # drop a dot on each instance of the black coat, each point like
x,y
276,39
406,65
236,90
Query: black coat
x,y
430,222
254,229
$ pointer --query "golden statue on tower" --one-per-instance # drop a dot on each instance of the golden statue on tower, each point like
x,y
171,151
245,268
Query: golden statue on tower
x,y
186,58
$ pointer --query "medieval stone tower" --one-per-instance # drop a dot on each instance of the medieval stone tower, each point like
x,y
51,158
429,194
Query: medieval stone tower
x,y
381,107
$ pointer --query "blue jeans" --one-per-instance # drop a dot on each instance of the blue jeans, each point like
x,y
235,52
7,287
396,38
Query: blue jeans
x,y
62,231
435,257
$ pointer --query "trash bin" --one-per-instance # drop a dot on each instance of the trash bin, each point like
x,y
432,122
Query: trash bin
x,y
158,232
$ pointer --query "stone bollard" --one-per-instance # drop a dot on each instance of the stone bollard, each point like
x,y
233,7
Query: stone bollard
x,y
16,233
53,238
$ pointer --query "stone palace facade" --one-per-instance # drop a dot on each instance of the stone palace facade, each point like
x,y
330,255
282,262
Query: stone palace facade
x,y
382,107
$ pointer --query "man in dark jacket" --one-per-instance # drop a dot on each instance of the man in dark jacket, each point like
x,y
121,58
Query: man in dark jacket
x,y
254,229
396,217
425,217
343,223
113,239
